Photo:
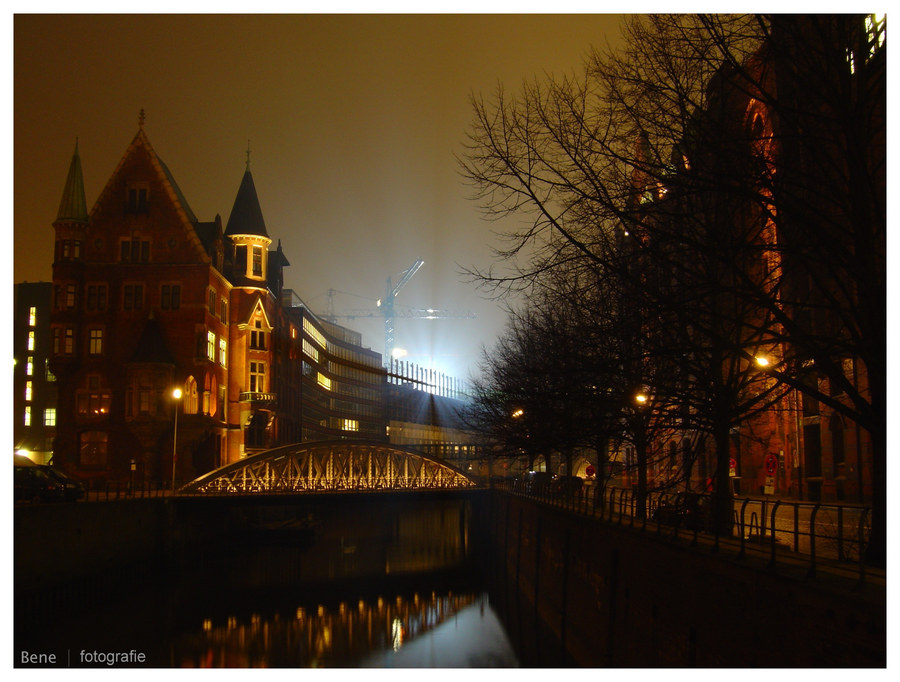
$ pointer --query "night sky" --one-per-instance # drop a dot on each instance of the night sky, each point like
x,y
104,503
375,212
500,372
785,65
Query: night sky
x,y
352,121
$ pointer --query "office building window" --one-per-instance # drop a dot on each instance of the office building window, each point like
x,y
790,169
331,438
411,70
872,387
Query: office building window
x,y
211,346
223,352
32,316
50,416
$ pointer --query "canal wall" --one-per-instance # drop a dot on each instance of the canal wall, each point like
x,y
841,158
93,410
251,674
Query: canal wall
x,y
574,590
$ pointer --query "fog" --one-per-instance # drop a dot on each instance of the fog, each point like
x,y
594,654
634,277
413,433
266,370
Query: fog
x,y
352,124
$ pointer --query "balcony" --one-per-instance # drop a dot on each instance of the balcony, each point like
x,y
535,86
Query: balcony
x,y
257,397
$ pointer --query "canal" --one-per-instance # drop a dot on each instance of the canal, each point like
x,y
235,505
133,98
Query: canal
x,y
333,583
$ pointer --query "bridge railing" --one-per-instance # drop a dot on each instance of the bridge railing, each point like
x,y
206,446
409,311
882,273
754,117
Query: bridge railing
x,y
815,534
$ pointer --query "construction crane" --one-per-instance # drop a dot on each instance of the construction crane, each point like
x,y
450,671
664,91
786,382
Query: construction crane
x,y
386,309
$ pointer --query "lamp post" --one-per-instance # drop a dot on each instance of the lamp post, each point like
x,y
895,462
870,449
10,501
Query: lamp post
x,y
176,394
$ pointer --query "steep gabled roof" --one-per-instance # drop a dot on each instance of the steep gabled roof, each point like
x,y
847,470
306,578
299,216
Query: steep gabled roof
x,y
167,181
246,215
72,206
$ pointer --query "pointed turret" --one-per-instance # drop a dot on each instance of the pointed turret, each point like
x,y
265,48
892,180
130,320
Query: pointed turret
x,y
246,215
246,232
72,206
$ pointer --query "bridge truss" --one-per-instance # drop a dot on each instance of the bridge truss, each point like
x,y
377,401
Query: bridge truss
x,y
329,466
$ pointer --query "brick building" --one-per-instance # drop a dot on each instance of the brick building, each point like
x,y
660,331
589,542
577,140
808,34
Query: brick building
x,y
147,299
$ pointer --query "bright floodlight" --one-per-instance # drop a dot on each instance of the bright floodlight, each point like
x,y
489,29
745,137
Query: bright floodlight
x,y
176,393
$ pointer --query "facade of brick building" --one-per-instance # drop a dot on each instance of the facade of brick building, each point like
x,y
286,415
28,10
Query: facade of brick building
x,y
147,299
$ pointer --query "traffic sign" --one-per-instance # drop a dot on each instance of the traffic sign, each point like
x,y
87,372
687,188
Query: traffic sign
x,y
590,471
771,464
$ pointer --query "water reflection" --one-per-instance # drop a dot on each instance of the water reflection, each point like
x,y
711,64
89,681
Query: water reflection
x,y
361,634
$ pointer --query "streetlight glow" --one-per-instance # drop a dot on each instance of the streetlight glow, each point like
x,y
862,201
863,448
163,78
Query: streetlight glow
x,y
762,360
176,394
518,413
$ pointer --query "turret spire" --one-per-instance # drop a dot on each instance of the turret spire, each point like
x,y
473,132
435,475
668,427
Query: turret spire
x,y
72,206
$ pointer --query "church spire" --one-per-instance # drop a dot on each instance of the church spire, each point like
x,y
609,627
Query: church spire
x,y
72,206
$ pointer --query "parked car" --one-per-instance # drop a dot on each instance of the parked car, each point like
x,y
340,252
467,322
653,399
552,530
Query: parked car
x,y
685,510
535,482
566,486
45,484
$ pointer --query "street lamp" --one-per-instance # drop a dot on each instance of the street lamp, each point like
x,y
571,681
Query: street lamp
x,y
176,394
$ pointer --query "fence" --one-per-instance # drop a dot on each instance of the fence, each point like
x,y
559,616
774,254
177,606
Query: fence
x,y
814,534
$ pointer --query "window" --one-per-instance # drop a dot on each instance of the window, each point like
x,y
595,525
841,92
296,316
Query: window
x,y
93,403
211,302
135,251
96,297
63,340
95,341
32,316
875,32
92,449
70,296
258,337
310,350
27,419
50,416
28,391
170,297
316,335
223,310
323,381
211,346
191,399
137,199
223,352
257,261
31,341
257,377
240,259
133,298
349,425
29,366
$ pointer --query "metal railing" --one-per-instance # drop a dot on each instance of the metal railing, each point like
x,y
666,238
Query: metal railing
x,y
811,535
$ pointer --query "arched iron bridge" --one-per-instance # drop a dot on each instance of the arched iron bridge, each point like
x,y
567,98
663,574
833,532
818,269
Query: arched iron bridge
x,y
325,466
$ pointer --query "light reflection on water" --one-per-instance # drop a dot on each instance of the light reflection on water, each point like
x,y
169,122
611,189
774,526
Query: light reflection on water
x,y
451,630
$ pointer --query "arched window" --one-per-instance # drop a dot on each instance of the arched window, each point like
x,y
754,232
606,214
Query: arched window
x,y
190,396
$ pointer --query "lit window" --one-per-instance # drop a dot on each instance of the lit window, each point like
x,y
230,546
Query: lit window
x,y
349,425
257,377
223,352
27,420
316,335
28,390
50,416
32,316
29,366
211,346
323,381
310,350
875,32
69,342
95,342
70,296
30,340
